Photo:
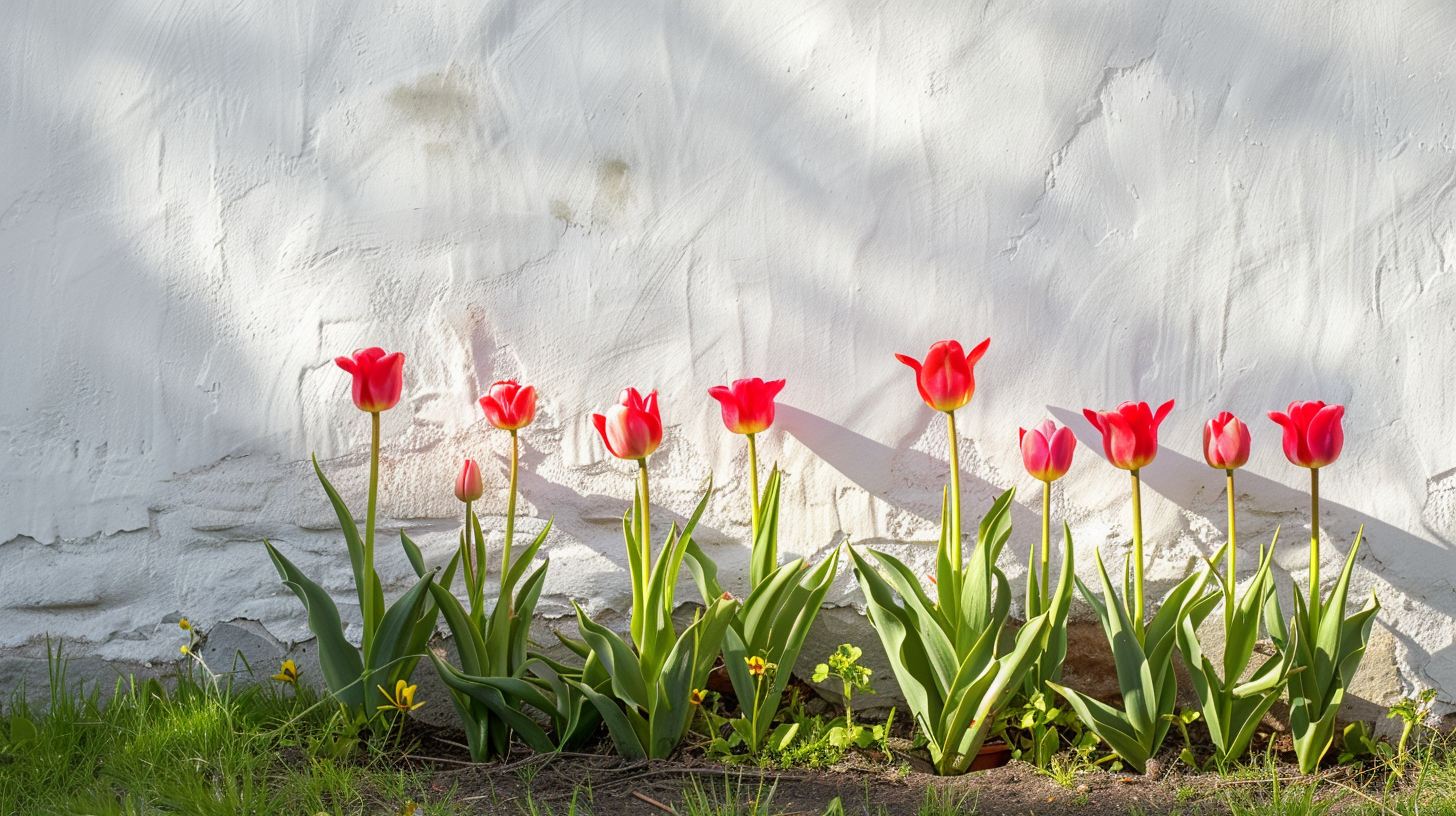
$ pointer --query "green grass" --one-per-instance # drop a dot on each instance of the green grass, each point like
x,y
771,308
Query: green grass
x,y
196,749
200,749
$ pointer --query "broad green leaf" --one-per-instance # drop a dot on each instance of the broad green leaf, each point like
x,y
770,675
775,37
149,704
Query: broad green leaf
x,y
903,646
705,573
1134,675
491,692
624,736
616,656
351,532
765,554
933,642
1109,724
342,667
387,660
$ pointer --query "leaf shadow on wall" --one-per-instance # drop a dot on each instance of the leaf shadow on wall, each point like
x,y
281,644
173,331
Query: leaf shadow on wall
x,y
908,480
593,517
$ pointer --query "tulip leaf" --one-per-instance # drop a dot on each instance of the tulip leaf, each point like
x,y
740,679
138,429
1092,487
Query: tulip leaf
x,y
338,659
765,555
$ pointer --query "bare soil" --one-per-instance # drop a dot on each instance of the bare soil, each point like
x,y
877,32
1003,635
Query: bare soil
x,y
865,786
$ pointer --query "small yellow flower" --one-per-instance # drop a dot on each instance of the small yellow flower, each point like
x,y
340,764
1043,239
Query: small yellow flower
x,y
756,665
184,625
287,673
186,650
697,696
403,698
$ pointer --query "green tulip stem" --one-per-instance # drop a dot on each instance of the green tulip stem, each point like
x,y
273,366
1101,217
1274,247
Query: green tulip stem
x,y
753,481
955,493
510,512
1046,538
466,554
476,576
646,520
1233,549
1314,581
1137,554
369,612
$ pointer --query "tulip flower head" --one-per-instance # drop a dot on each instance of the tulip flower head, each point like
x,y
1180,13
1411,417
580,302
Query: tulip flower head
x,y
631,429
402,700
1046,450
946,378
287,672
1226,442
748,405
378,378
1129,434
508,405
468,486
1313,435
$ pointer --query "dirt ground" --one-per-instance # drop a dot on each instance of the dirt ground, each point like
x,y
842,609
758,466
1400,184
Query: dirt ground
x,y
864,787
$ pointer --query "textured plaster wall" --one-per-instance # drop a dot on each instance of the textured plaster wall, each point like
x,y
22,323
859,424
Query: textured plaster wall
x,y
1233,204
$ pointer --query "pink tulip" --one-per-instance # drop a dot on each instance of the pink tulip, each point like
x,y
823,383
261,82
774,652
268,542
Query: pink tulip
x,y
509,405
378,378
1313,435
1129,434
1046,450
1226,442
631,429
748,405
947,377
468,486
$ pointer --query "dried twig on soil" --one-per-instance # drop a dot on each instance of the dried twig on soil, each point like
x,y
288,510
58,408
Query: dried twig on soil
x,y
438,759
649,800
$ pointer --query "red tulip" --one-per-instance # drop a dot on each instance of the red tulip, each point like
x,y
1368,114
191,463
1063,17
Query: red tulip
x,y
631,429
748,405
468,487
508,405
1313,435
947,378
378,378
1226,442
1046,450
1129,434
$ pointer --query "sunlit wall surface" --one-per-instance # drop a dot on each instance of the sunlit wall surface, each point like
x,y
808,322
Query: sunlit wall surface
x,y
1233,204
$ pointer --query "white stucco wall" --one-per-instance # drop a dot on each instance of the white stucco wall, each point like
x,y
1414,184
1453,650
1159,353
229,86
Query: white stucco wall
x,y
1234,204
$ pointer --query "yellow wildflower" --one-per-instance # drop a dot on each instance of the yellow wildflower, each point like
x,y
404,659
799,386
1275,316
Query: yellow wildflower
x,y
184,625
403,698
287,673
186,650
697,696
756,665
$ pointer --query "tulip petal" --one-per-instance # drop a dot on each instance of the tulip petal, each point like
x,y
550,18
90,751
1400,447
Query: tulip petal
x,y
600,422
1291,439
1093,418
1063,445
1119,442
1162,412
1325,437
978,352
1034,455
909,361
